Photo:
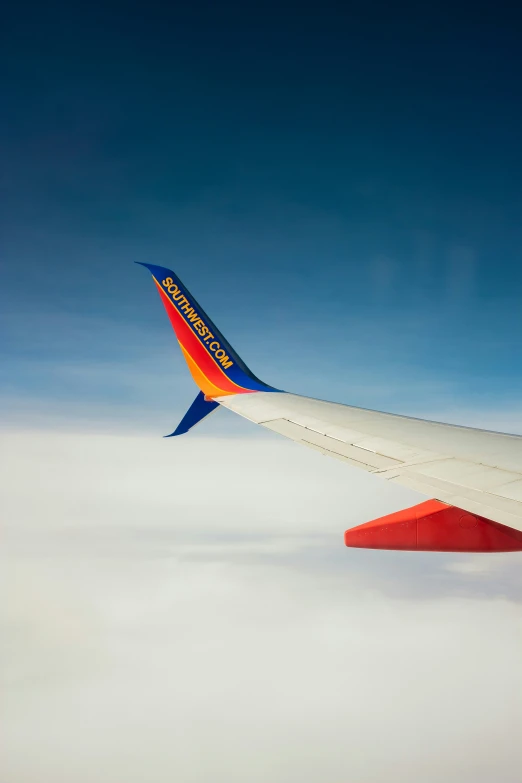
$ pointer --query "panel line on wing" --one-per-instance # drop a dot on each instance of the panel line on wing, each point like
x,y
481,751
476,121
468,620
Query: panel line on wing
x,y
356,463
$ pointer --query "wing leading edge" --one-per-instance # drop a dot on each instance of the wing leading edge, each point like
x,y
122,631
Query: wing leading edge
x,y
474,471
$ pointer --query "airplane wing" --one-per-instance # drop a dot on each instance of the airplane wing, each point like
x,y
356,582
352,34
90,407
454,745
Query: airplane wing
x,y
474,477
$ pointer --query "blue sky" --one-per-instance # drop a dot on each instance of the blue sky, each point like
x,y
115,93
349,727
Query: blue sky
x,y
342,192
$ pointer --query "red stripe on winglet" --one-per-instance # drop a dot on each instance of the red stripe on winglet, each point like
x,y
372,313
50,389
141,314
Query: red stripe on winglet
x,y
196,350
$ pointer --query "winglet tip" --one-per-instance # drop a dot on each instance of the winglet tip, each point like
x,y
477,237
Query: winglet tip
x,y
175,433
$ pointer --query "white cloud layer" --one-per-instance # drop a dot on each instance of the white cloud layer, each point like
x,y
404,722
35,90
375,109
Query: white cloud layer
x,y
186,610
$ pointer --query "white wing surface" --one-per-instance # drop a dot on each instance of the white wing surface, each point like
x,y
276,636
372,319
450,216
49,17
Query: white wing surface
x,y
476,470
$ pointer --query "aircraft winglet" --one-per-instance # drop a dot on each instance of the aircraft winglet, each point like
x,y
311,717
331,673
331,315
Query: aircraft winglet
x,y
200,408
215,367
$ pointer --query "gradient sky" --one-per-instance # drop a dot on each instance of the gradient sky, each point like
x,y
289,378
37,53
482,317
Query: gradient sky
x,y
341,189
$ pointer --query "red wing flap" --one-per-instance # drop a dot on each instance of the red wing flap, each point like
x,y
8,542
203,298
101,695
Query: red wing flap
x,y
435,527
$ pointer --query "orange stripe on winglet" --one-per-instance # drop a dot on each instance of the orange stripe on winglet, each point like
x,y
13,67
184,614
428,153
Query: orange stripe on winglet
x,y
206,386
